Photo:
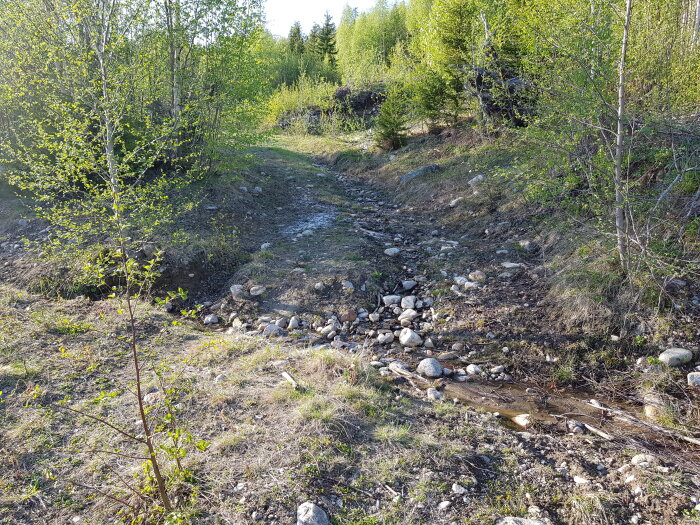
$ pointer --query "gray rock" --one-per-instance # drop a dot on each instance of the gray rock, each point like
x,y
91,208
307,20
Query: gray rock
x,y
408,285
348,285
388,300
256,291
523,420
477,276
265,246
433,395
429,367
528,246
409,315
511,265
410,338
473,370
272,330
408,302
676,356
455,202
386,338
694,379
476,180
294,323
391,252
430,168
510,520
644,460
237,291
211,319
311,514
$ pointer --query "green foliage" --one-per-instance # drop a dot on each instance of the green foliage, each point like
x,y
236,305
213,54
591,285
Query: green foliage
x,y
366,41
296,39
303,94
391,124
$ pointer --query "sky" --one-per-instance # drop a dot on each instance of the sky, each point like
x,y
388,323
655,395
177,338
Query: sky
x,y
281,14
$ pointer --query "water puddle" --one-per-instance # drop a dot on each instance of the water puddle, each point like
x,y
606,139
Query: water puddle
x,y
615,422
320,217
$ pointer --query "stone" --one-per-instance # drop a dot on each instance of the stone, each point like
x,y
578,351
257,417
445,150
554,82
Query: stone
x,y
386,338
498,369
476,180
694,379
473,370
374,317
430,368
265,246
447,356
644,460
348,285
409,285
319,286
433,395
528,246
477,276
458,489
410,338
408,302
309,513
154,397
272,330
257,291
211,319
455,202
523,420
348,316
676,356
388,300
294,323
408,315
444,505
430,168
392,252
511,265
237,291
581,481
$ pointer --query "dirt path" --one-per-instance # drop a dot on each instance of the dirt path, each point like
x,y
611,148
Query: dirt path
x,y
407,369
336,249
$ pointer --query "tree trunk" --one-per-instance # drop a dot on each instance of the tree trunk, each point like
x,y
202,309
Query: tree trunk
x,y
620,217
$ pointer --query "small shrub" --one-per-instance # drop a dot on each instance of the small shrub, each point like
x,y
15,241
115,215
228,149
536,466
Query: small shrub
x,y
391,129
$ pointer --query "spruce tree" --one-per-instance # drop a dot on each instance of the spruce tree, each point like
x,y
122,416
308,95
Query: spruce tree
x,y
296,39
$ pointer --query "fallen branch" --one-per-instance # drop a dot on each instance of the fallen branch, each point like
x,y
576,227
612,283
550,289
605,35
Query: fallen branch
x,y
643,424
